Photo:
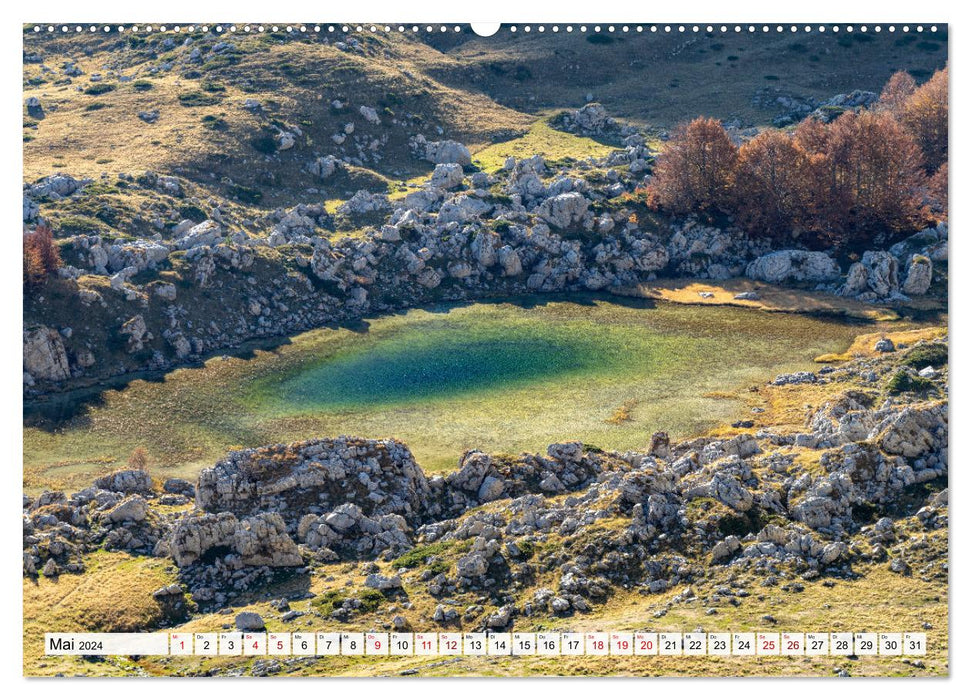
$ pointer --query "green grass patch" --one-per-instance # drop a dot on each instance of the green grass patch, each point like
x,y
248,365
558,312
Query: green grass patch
x,y
417,556
544,140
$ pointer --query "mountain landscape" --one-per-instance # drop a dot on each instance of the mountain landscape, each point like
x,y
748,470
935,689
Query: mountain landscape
x,y
382,330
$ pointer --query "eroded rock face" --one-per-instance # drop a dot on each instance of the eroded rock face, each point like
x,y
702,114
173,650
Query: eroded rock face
x,y
379,476
882,272
258,541
44,355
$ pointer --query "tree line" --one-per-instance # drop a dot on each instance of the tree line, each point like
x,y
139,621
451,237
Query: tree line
x,y
879,170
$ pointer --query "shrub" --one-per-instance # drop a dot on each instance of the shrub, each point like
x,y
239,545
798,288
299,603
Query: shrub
x,y
930,355
195,98
264,142
904,381
41,256
98,89
416,557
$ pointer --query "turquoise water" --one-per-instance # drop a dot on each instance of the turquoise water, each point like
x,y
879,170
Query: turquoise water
x,y
437,360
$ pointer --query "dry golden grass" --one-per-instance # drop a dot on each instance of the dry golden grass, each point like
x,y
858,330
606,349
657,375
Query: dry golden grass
x,y
73,139
876,601
771,297
113,595
622,413
863,345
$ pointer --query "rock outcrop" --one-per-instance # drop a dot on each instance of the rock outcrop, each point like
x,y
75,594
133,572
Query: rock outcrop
x,y
787,266
44,355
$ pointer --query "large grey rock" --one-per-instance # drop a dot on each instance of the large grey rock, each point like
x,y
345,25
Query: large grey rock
x,y
565,210
249,622
462,209
471,566
382,583
126,481
132,509
472,471
44,355
364,202
491,489
793,266
729,490
447,175
510,261
919,273
591,118
445,152
206,233
379,476
914,431
725,549
855,282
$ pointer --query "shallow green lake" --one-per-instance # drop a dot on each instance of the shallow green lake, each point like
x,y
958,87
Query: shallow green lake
x,y
496,376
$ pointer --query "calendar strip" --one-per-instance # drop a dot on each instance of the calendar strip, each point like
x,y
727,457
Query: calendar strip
x,y
382,644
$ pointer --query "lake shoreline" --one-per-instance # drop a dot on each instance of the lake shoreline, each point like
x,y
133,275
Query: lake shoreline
x,y
449,377
819,305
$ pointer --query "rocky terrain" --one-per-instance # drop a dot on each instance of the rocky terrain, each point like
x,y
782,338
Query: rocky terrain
x,y
338,205
527,228
212,192
863,481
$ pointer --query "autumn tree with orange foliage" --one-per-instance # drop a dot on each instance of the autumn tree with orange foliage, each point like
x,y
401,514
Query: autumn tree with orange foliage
x,y
896,92
41,256
925,114
877,175
695,171
937,192
774,178
832,184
